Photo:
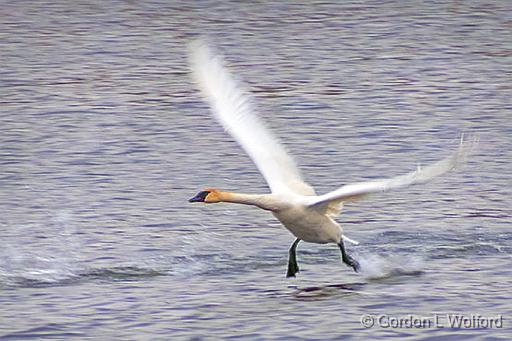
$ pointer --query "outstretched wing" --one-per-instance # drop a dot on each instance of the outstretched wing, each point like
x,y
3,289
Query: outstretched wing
x,y
232,107
328,203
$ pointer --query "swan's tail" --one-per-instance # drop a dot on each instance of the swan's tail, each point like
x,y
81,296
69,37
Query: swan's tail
x,y
351,241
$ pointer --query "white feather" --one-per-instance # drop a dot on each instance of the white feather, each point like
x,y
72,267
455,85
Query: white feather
x,y
421,175
233,108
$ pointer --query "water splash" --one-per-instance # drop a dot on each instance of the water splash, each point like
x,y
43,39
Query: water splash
x,y
29,268
378,266
45,252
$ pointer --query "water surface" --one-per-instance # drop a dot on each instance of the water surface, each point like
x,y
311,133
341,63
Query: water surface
x,y
104,138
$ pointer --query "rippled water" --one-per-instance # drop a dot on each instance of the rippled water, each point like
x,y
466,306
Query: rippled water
x,y
104,137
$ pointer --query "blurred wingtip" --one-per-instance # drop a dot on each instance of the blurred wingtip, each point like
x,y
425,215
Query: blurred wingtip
x,y
467,146
197,49
198,45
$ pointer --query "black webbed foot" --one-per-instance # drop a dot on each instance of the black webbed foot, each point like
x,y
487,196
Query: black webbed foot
x,y
293,267
347,259
353,263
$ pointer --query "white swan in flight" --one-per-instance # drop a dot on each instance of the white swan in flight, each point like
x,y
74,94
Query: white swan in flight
x,y
309,217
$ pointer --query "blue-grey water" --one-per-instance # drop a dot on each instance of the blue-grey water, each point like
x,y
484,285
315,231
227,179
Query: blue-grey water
x,y
104,137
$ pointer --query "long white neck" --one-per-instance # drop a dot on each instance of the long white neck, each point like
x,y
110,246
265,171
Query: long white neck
x,y
263,201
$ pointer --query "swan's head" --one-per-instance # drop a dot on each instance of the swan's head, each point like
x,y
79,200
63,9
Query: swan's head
x,y
208,196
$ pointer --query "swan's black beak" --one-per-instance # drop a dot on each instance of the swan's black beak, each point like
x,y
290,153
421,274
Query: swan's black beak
x,y
200,197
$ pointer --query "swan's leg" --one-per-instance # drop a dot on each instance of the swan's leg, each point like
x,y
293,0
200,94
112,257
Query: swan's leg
x,y
347,259
293,267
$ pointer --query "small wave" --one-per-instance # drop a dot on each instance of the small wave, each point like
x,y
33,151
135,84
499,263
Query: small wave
x,y
54,277
122,273
28,270
51,330
328,291
36,278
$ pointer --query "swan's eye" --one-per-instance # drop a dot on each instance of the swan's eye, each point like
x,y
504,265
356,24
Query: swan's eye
x,y
200,197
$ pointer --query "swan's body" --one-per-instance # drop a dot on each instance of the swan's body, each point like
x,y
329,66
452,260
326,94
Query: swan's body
x,y
294,203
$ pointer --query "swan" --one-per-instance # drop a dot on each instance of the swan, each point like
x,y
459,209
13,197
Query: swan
x,y
308,216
